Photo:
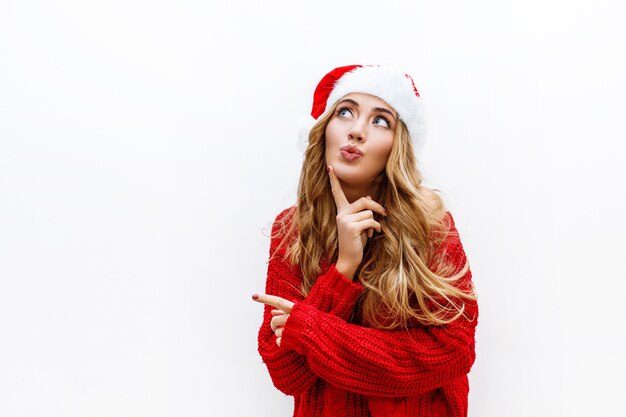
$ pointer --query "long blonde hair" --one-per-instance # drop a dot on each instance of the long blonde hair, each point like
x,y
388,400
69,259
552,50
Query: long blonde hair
x,y
400,286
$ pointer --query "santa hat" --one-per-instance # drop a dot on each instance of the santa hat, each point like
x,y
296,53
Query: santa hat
x,y
388,83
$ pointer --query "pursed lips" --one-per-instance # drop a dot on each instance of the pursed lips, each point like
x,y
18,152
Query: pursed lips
x,y
352,150
350,154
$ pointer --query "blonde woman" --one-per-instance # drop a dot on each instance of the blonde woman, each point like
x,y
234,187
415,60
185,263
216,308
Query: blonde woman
x,y
369,303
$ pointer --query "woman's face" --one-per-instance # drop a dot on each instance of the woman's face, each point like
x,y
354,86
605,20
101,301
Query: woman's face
x,y
363,124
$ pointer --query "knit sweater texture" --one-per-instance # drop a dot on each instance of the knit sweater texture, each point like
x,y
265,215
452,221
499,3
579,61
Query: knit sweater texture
x,y
337,368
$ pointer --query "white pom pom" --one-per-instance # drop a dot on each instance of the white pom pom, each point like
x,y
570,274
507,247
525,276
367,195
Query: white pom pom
x,y
305,124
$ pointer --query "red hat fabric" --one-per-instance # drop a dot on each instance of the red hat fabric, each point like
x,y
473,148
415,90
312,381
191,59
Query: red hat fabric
x,y
387,83
325,87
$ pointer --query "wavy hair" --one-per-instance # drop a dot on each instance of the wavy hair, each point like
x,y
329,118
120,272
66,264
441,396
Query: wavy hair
x,y
406,281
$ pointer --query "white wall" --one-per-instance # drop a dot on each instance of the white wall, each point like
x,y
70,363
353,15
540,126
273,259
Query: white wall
x,y
146,146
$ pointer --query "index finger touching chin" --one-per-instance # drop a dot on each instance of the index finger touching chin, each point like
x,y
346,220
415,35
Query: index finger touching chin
x,y
340,198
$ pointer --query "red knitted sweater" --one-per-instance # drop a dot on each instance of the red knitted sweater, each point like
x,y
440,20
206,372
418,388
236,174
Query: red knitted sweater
x,y
333,367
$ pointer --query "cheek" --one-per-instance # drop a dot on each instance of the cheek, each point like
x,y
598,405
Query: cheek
x,y
331,132
332,137
383,148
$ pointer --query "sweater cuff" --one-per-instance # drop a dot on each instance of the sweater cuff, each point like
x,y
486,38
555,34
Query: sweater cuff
x,y
341,284
296,327
333,292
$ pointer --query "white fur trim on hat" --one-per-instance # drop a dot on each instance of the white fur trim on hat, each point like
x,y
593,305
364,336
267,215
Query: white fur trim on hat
x,y
305,124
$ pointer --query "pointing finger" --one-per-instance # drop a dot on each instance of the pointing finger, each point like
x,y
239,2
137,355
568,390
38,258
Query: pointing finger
x,y
274,301
340,198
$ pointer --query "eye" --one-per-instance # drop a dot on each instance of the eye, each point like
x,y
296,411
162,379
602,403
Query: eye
x,y
382,121
344,112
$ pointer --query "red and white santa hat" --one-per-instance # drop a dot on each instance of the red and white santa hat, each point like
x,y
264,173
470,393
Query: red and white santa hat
x,y
388,83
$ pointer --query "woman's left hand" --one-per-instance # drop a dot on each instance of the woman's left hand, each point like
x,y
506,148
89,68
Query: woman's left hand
x,y
281,314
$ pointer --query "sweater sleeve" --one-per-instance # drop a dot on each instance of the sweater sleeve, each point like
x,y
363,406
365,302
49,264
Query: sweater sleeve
x,y
385,363
332,293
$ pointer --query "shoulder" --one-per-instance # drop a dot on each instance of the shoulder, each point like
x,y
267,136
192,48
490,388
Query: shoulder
x,y
451,241
434,203
282,226
285,216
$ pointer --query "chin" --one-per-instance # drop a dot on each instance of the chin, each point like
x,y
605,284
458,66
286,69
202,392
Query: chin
x,y
351,175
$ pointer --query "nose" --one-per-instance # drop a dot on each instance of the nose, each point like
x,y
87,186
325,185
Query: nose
x,y
358,130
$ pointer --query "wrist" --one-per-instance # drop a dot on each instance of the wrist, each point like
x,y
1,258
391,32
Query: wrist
x,y
346,269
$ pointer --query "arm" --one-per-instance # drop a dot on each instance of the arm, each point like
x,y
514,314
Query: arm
x,y
385,363
331,293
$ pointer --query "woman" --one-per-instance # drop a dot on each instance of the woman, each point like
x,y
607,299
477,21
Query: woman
x,y
369,304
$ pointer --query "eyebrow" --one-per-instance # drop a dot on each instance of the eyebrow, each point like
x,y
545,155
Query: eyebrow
x,y
376,109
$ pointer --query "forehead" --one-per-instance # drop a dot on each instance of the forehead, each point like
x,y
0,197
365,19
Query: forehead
x,y
369,100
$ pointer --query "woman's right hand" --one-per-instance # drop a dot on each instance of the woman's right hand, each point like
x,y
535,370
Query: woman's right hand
x,y
355,223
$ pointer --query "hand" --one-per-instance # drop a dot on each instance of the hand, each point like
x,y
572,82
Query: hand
x,y
281,314
355,222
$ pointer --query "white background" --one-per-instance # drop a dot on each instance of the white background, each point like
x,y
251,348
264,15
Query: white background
x,y
146,147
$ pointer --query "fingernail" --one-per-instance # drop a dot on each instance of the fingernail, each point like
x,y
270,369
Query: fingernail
x,y
255,296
